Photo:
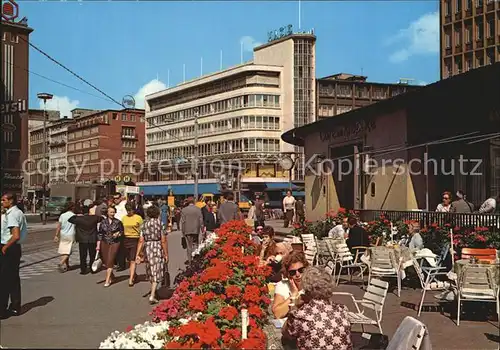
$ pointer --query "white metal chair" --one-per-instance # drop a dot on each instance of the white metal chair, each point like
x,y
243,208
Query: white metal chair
x,y
311,249
347,261
410,335
429,282
373,299
383,264
476,283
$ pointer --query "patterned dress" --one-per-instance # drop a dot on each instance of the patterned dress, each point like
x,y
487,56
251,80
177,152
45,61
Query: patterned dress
x,y
151,231
320,324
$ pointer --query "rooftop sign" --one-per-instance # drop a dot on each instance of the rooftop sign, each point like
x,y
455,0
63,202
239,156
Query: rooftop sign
x,y
279,33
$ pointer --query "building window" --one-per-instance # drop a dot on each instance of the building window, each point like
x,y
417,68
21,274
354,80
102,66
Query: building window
x,y
479,3
468,64
458,6
458,37
448,70
447,9
491,28
468,36
480,61
490,58
479,31
458,64
468,4
132,117
447,40
124,117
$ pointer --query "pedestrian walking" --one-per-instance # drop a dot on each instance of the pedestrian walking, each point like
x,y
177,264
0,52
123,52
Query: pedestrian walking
x,y
120,202
228,210
65,236
13,232
164,213
132,230
300,213
259,216
86,228
153,249
109,238
191,226
288,208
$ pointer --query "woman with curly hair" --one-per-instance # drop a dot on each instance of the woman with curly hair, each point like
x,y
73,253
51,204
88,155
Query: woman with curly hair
x,y
318,322
154,240
288,290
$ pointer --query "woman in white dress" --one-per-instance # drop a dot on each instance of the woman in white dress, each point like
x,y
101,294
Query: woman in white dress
x,y
65,236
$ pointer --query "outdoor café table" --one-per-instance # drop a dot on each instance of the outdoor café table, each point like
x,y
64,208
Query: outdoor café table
x,y
494,267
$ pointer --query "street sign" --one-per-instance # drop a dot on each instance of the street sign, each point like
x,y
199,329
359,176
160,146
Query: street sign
x,y
18,106
118,178
126,178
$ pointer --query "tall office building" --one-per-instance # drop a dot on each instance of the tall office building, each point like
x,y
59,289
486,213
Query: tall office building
x,y
241,113
14,96
470,35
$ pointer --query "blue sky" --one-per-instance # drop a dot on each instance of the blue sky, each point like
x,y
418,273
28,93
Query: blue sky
x,y
122,47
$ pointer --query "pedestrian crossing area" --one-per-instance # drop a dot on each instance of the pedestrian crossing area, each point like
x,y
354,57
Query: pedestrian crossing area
x,y
39,263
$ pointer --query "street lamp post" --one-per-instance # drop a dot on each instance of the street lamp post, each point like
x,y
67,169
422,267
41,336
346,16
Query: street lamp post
x,y
196,114
45,97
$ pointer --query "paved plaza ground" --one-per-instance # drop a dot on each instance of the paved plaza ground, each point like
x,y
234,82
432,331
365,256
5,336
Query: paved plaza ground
x,y
73,311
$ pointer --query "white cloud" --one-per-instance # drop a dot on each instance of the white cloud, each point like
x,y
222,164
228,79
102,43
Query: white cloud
x,y
62,104
420,38
153,86
249,43
422,83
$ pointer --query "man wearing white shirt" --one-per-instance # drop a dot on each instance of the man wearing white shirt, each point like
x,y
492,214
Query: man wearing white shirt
x,y
339,231
490,205
13,231
120,206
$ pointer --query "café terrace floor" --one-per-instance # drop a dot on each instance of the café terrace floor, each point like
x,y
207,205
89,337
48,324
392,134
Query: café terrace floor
x,y
475,330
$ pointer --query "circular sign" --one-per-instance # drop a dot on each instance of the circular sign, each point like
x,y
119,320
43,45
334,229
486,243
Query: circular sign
x,y
128,102
286,163
118,178
126,178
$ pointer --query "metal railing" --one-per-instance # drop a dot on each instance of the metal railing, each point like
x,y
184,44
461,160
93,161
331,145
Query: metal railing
x,y
426,218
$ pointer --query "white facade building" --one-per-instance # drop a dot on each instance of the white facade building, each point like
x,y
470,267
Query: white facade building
x,y
241,113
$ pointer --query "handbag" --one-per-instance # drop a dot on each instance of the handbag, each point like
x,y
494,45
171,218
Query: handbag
x,y
97,264
184,242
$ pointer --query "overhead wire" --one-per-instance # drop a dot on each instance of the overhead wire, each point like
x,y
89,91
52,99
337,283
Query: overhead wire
x,y
108,97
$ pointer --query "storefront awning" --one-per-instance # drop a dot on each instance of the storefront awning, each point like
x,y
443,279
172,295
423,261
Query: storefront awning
x,y
280,185
179,189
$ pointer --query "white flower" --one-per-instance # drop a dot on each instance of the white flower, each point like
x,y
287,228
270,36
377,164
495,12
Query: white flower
x,y
142,336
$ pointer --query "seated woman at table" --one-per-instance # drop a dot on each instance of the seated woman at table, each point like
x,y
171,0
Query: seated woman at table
x,y
273,253
287,291
416,241
317,322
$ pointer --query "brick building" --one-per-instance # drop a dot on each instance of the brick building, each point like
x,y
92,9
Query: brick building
x,y
104,144
341,93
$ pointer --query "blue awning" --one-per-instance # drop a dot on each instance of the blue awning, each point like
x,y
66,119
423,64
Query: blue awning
x,y
279,185
179,189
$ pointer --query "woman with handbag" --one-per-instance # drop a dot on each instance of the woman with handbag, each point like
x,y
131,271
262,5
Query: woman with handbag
x,y
155,253
110,232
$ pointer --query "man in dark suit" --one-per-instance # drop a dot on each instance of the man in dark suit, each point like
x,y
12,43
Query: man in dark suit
x,y
228,210
209,216
191,226
358,237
